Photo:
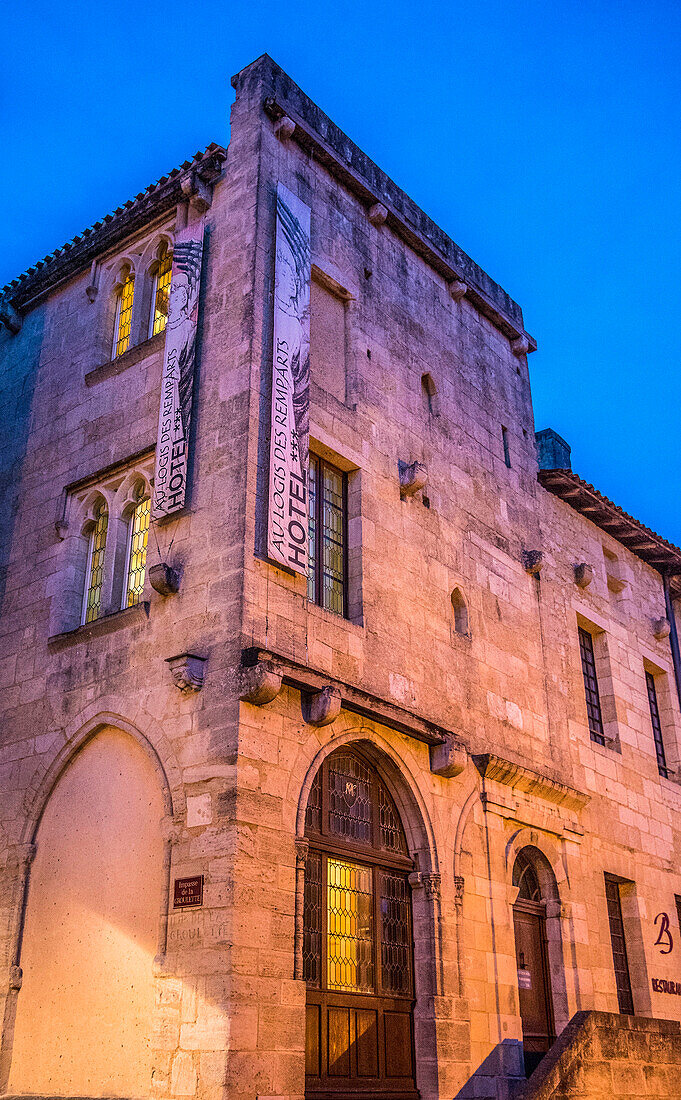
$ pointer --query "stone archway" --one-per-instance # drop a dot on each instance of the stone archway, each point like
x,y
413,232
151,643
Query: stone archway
x,y
91,926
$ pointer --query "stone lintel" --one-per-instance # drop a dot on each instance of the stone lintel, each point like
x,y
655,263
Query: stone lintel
x,y
310,681
528,781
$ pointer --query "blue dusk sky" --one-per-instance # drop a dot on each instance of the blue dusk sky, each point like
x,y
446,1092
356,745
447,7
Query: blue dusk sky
x,y
542,136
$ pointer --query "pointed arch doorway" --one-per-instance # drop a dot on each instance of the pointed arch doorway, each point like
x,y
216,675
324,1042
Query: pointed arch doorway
x,y
358,958
534,981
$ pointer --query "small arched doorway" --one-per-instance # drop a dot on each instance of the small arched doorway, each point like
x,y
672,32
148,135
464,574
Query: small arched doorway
x,y
531,948
357,937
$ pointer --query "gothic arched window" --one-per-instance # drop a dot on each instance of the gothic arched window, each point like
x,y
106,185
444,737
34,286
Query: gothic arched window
x,y
357,934
160,291
137,547
94,574
123,316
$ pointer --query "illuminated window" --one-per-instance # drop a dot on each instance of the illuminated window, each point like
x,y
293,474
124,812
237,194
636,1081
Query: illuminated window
x,y
357,933
327,565
123,319
137,549
95,567
160,292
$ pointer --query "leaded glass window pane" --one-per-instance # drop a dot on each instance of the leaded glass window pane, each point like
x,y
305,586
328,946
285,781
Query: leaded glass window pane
x,y
327,566
95,571
350,807
161,291
312,920
350,922
123,322
137,552
395,933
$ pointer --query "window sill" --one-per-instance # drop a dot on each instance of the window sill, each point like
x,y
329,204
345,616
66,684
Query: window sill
x,y
335,619
106,624
128,359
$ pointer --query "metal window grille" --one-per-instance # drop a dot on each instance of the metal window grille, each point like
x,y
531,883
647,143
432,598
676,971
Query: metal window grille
x,y
327,565
123,323
593,701
137,552
625,998
357,925
95,569
657,726
161,292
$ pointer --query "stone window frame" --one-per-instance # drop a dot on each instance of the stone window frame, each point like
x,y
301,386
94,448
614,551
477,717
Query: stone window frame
x,y
141,258
603,658
117,488
667,705
354,612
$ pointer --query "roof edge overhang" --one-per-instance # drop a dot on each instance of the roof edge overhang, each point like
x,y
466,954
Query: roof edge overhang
x,y
656,551
74,256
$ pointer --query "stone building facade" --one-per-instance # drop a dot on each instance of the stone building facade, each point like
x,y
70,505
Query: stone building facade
x,y
394,828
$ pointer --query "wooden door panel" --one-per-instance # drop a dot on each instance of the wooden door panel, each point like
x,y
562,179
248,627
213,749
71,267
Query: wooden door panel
x,y
339,1042
366,1031
312,1040
532,980
398,1044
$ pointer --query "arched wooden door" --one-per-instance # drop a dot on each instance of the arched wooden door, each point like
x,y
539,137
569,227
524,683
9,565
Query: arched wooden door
x,y
357,942
534,985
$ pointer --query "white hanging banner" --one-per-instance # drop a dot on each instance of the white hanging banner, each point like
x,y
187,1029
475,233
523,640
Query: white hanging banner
x,y
287,526
177,383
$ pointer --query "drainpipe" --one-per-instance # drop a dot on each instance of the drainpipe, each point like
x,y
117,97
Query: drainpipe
x,y
673,633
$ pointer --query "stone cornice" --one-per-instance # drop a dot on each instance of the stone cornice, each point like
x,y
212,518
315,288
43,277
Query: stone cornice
x,y
298,119
528,781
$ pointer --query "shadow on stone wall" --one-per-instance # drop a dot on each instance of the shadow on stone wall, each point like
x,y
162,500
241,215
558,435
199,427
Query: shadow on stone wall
x,y
501,1070
19,358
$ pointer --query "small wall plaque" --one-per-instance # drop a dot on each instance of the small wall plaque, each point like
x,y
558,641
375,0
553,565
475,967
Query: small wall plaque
x,y
188,891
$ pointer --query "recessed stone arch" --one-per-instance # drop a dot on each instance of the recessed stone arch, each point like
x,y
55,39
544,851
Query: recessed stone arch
x,y
460,612
400,779
542,851
425,881
94,913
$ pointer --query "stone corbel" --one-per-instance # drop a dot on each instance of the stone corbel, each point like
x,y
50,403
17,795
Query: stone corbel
x,y
520,346
260,684
458,890
187,670
429,881
92,288
164,579
661,629
377,214
448,759
9,316
284,128
584,574
413,476
457,289
197,192
532,562
321,707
